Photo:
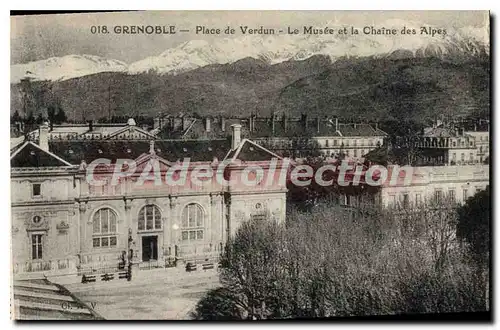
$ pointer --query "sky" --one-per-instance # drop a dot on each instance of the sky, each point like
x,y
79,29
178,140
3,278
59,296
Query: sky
x,y
40,37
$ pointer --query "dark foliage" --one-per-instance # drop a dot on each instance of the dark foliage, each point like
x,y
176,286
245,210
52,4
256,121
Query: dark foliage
x,y
474,225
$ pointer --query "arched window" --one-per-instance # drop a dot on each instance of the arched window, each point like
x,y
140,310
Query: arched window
x,y
192,223
104,229
149,218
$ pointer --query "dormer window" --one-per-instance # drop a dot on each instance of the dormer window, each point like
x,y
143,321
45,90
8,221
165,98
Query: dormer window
x,y
184,149
99,151
32,153
129,151
70,151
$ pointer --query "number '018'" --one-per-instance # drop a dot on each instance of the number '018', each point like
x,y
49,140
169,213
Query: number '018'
x,y
98,29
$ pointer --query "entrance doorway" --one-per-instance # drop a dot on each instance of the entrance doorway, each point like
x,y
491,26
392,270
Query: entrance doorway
x,y
149,248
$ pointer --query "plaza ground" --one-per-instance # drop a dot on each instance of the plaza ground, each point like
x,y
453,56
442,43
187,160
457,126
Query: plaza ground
x,y
152,295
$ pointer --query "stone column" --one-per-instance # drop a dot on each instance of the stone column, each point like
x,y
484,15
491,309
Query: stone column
x,y
175,227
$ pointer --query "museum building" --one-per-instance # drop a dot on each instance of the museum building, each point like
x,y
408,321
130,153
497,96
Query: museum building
x,y
63,225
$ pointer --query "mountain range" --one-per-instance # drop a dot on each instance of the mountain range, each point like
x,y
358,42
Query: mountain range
x,y
271,49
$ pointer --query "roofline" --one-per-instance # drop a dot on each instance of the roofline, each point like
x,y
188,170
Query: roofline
x,y
110,137
238,150
38,147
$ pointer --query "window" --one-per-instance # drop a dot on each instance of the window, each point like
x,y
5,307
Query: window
x,y
393,200
405,200
454,156
462,157
36,246
438,195
149,218
192,223
355,152
327,143
355,142
451,195
334,142
465,194
471,157
418,199
37,189
260,213
104,229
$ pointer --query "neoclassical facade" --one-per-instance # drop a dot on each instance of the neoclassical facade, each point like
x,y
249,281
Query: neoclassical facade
x,y
73,214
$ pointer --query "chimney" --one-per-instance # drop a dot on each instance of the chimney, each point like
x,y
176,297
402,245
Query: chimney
x,y
236,138
91,125
376,126
152,147
51,126
285,123
304,121
252,128
208,123
318,123
43,136
157,124
336,123
222,123
273,124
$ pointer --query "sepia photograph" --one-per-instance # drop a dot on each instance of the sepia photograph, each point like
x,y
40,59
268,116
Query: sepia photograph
x,y
250,165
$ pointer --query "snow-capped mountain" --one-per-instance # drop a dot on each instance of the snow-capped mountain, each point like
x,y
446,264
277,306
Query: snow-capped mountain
x,y
66,67
273,49
278,48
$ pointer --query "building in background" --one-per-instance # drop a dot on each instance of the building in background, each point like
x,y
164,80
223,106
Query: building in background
x,y
286,136
446,162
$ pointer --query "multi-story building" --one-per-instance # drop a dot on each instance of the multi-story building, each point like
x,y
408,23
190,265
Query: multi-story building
x,y
65,222
442,145
287,136
444,162
419,186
